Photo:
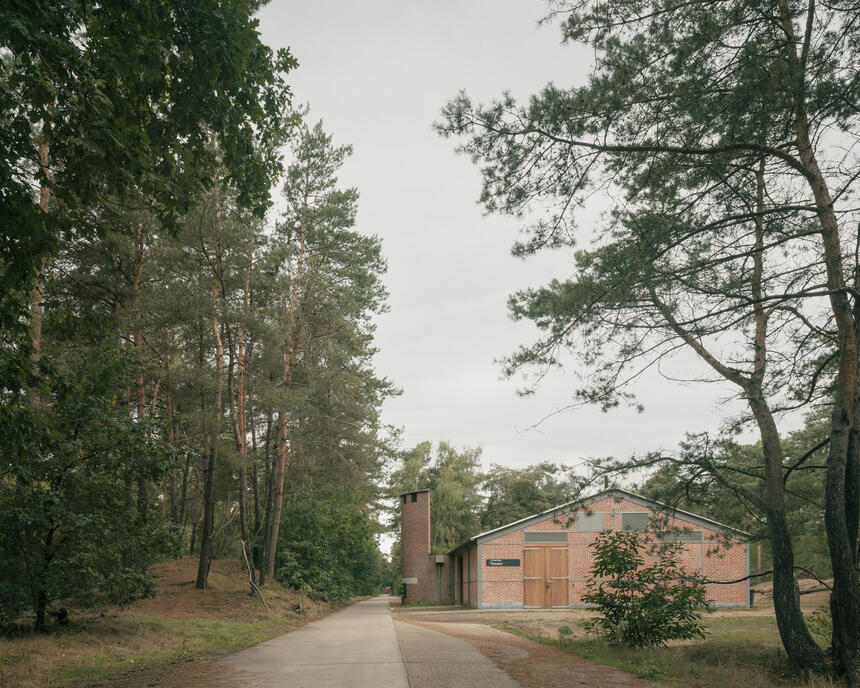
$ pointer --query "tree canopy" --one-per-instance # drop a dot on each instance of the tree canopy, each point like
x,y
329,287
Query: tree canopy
x,y
723,134
181,370
126,98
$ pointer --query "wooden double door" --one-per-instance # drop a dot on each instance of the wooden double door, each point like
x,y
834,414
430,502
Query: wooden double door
x,y
545,576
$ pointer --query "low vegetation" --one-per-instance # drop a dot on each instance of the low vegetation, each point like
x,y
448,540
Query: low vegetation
x,y
173,633
641,605
739,650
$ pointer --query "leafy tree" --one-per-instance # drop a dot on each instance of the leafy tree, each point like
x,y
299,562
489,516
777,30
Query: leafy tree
x,y
515,493
331,287
328,547
120,98
116,120
140,145
66,527
685,480
641,604
453,480
719,130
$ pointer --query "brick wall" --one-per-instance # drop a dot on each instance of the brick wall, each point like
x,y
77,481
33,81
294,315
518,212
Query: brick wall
x,y
472,559
415,543
715,557
502,585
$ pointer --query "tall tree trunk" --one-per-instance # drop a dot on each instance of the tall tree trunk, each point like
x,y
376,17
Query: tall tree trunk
x,y
840,495
800,647
37,295
209,479
40,581
799,644
277,490
205,532
35,401
183,494
270,499
290,358
193,539
237,383
139,379
171,495
255,479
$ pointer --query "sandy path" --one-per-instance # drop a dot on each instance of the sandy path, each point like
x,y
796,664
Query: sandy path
x,y
529,663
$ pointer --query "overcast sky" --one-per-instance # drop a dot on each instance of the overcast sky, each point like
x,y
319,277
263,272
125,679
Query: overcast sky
x,y
377,73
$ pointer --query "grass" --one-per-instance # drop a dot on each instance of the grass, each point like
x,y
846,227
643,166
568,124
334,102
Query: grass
x,y
739,651
134,646
424,604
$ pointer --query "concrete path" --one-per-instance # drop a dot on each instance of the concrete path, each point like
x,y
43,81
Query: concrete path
x,y
360,647
356,646
436,660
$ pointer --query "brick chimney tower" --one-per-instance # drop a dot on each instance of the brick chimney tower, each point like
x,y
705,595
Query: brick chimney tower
x,y
418,567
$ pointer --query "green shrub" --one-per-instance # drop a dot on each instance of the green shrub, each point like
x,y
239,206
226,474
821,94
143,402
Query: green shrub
x,y
327,547
642,605
821,624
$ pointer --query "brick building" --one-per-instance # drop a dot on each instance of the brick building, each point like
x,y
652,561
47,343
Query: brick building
x,y
545,561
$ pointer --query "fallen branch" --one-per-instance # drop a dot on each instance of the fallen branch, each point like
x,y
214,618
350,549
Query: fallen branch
x,y
251,576
767,573
802,568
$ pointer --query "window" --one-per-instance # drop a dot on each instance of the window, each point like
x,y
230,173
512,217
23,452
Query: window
x,y
635,521
590,523
543,537
681,536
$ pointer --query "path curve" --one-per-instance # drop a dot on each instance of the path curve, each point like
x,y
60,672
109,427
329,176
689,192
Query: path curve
x,y
365,646
529,663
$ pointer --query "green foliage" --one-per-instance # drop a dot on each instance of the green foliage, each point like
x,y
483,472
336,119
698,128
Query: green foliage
x,y
160,128
820,622
641,604
515,493
127,98
122,115
715,134
328,545
681,482
66,525
453,479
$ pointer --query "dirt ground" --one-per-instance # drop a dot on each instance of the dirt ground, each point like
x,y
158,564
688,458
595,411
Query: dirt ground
x,y
529,663
175,634
225,597
547,622
176,579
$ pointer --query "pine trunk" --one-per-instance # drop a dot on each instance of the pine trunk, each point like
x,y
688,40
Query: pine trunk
x,y
209,483
237,383
290,361
171,495
270,501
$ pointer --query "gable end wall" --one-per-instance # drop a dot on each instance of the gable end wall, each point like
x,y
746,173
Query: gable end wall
x,y
716,557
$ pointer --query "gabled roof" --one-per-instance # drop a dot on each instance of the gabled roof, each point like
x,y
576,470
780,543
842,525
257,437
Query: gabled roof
x,y
578,504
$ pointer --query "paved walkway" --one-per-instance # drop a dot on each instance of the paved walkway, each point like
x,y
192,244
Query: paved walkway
x,y
437,660
362,647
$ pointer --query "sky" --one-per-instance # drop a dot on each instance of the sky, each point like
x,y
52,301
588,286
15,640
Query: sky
x,y
377,73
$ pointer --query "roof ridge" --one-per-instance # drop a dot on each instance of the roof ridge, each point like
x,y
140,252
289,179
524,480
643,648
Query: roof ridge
x,y
595,497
